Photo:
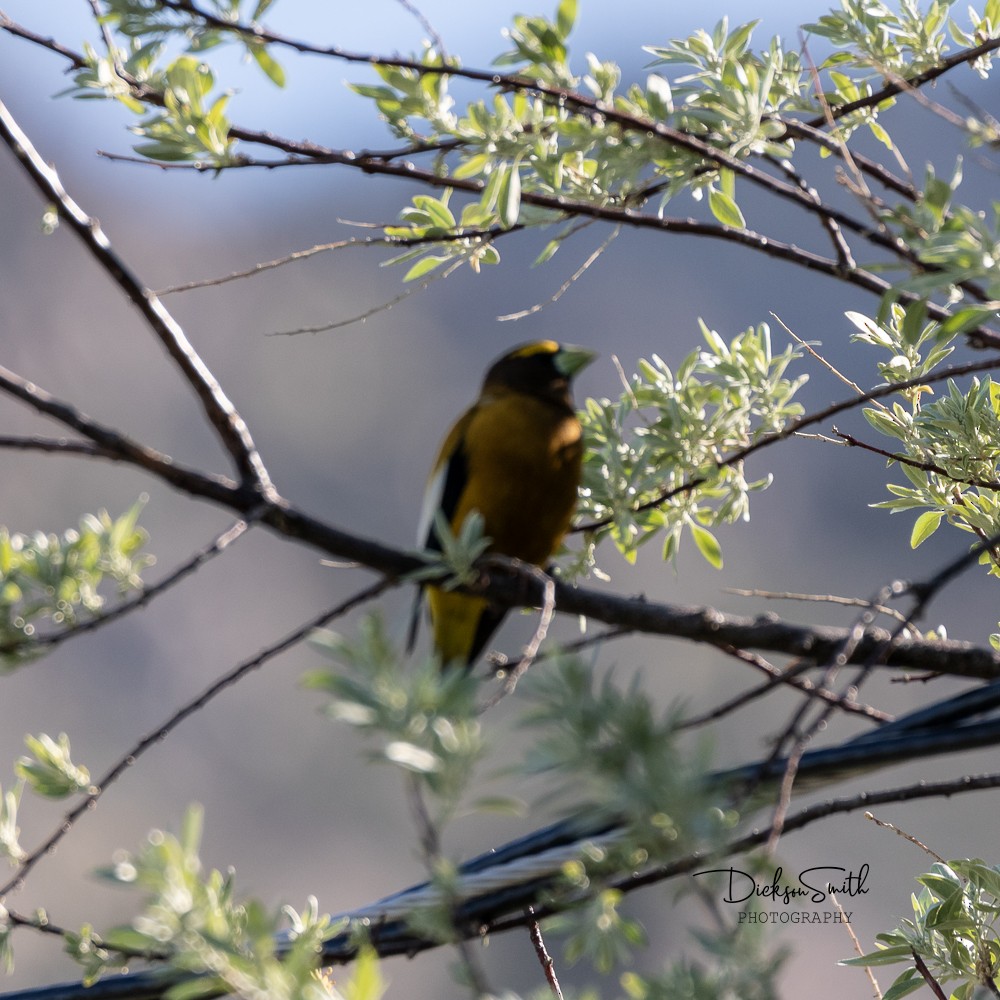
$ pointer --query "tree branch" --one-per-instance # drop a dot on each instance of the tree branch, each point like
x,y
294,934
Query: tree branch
x,y
221,413
897,87
698,624
375,164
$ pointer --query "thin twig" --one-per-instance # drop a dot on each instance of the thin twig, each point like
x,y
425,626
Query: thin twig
x,y
109,42
851,602
776,678
856,944
806,346
421,286
780,813
567,284
858,186
893,456
393,242
426,25
906,836
596,109
62,446
430,844
871,168
798,732
928,76
519,669
544,958
582,104
841,246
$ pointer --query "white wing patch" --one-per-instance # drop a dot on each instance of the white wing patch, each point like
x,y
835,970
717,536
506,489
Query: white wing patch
x,y
432,504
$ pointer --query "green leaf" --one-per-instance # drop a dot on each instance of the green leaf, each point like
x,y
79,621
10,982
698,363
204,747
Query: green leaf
x,y
880,133
193,989
271,67
509,205
366,982
968,318
436,209
725,209
501,805
925,526
708,545
566,17
550,249
905,984
884,956
424,266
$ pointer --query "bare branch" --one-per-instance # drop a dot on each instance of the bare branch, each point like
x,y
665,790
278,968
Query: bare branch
x,y
528,656
906,836
115,445
393,242
338,324
544,958
61,446
932,984
600,110
567,284
851,602
19,31
425,25
776,678
390,936
699,624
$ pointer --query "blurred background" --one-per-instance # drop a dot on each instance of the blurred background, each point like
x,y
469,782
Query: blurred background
x,y
348,422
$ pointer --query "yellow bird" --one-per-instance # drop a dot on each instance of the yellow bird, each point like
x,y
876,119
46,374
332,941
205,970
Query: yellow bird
x,y
514,456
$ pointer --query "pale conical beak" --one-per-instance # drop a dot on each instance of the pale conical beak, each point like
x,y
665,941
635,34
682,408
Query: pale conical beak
x,y
572,359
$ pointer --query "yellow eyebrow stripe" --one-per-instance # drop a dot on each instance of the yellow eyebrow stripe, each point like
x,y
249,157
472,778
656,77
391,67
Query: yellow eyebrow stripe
x,y
541,347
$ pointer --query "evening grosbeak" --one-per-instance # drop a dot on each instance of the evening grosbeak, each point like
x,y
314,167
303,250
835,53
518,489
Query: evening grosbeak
x,y
514,456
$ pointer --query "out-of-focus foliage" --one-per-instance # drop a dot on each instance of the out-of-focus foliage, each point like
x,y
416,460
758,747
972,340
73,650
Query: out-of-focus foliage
x,y
58,578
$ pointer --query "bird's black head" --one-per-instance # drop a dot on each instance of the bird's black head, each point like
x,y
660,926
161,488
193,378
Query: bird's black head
x,y
543,369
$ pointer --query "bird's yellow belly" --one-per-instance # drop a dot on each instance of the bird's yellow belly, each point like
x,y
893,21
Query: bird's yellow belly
x,y
523,482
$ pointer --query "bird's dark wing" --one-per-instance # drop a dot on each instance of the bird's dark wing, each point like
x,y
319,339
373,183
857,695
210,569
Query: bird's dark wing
x,y
442,493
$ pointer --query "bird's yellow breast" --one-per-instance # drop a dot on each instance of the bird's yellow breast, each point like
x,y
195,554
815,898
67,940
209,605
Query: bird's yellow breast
x,y
523,456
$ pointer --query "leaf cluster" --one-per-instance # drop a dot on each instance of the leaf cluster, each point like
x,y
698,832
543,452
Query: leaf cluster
x,y
194,920
58,578
953,932
424,719
621,758
656,458
891,43
949,446
741,965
